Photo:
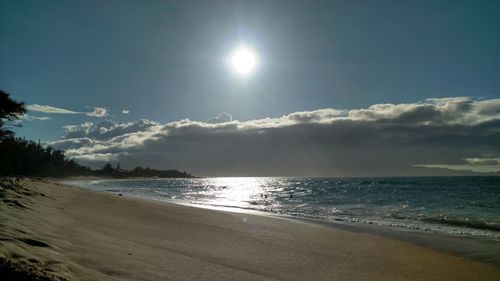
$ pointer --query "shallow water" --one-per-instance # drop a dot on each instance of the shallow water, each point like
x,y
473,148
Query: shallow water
x,y
456,206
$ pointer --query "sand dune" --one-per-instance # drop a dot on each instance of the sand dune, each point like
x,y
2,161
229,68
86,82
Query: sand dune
x,y
50,231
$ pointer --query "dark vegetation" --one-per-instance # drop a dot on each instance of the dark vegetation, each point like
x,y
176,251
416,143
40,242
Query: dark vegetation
x,y
27,158
117,172
20,157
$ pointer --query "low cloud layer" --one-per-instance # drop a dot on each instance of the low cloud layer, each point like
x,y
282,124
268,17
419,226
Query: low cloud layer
x,y
478,165
435,136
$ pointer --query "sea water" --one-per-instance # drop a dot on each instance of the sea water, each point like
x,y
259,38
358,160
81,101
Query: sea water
x,y
456,206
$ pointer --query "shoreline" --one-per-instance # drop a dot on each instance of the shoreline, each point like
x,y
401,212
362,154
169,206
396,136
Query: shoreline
x,y
468,247
483,250
478,249
82,234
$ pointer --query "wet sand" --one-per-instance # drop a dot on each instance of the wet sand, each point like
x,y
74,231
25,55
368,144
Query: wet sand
x,y
49,230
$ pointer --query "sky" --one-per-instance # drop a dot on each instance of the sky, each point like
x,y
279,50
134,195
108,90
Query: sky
x,y
342,88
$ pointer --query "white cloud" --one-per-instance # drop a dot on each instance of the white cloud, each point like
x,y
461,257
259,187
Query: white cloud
x,y
383,139
457,111
222,118
27,117
465,168
479,165
125,111
483,161
77,130
49,109
98,112
106,129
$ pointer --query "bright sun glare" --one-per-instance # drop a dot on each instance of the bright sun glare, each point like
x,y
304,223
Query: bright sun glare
x,y
243,60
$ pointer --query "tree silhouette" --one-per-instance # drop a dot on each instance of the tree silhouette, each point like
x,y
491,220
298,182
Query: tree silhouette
x,y
117,172
10,110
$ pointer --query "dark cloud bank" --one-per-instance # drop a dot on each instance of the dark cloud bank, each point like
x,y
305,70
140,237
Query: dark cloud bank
x,y
432,137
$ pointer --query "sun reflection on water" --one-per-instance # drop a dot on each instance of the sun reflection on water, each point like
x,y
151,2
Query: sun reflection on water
x,y
238,192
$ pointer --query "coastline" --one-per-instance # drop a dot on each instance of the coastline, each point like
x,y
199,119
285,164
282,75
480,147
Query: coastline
x,y
81,234
473,248
467,247
484,249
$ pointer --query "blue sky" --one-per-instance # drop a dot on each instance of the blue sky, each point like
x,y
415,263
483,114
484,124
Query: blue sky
x,y
164,60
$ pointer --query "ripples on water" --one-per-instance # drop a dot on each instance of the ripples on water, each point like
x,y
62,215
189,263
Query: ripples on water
x,y
465,206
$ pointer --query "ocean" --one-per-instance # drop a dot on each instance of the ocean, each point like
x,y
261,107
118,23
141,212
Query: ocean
x,y
453,206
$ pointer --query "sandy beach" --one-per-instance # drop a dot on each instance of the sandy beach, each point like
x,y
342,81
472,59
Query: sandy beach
x,y
51,231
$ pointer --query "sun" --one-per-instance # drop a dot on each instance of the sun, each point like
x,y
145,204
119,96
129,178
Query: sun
x,y
243,60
